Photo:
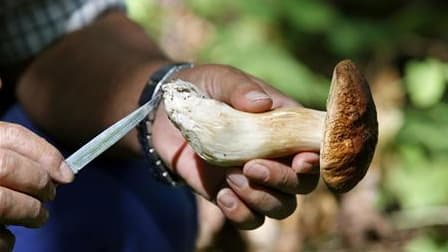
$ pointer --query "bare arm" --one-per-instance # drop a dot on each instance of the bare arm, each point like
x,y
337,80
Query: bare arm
x,y
89,80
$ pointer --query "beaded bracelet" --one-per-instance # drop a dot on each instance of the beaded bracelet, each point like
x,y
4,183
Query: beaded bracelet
x,y
153,91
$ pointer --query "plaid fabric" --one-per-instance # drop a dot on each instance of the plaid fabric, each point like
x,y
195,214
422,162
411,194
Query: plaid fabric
x,y
29,26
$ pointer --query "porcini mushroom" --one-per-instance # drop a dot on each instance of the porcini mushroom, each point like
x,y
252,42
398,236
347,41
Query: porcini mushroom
x,y
345,135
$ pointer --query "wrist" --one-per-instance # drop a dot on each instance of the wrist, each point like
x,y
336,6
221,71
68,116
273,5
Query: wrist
x,y
153,93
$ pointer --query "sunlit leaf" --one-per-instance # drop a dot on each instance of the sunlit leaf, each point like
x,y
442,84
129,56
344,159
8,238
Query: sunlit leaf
x,y
427,128
426,244
425,81
147,13
419,181
212,9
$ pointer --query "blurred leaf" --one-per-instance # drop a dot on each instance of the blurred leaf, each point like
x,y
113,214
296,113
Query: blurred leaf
x,y
223,11
352,37
244,45
147,13
425,82
309,15
266,10
422,18
425,244
427,128
420,180
421,183
446,70
213,9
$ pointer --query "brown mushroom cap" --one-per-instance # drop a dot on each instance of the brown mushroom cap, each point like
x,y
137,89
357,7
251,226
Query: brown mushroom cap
x,y
351,129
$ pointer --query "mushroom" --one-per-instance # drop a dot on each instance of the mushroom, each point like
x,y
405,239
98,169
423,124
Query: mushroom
x,y
345,135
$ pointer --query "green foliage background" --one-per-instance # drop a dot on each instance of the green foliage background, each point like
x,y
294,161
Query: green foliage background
x,y
294,45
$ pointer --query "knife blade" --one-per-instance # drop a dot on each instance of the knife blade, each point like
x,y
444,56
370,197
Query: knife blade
x,y
109,136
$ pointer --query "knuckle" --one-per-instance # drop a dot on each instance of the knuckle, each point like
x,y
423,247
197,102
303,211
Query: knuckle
x,y
35,209
52,151
283,180
50,159
51,155
228,70
10,130
4,128
43,181
5,163
53,160
5,200
261,200
36,214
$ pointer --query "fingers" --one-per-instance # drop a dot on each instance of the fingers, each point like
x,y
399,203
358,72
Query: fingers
x,y
306,165
229,85
281,177
236,211
262,200
25,142
306,162
20,209
19,173
7,240
267,188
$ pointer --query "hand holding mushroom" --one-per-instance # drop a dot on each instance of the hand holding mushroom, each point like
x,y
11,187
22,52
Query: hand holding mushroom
x,y
232,119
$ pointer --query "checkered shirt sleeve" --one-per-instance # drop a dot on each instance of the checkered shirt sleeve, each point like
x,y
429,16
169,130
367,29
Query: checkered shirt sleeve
x,y
29,26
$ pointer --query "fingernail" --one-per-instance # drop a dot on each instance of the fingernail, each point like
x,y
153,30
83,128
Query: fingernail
x,y
256,96
226,200
66,173
237,180
257,171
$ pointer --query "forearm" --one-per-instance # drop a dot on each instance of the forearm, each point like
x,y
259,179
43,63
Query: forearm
x,y
89,80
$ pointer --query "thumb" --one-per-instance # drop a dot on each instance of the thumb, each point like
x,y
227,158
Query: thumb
x,y
249,97
229,85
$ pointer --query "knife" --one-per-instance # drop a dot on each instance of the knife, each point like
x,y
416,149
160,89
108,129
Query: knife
x,y
118,130
109,136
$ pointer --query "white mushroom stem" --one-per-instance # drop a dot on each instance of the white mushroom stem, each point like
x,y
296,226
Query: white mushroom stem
x,y
225,136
